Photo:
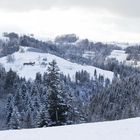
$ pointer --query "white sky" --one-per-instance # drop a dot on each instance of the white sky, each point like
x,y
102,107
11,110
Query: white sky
x,y
98,24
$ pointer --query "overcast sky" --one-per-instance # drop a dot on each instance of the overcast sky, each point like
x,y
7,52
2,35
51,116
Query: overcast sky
x,y
99,20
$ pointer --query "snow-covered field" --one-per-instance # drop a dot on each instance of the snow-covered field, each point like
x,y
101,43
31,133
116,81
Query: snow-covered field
x,y
119,55
116,130
89,54
41,62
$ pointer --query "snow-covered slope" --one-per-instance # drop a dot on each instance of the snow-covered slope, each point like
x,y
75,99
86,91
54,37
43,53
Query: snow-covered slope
x,y
89,54
26,55
119,55
117,130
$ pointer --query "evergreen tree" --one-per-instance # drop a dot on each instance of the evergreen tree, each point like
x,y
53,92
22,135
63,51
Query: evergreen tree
x,y
43,119
10,79
15,120
38,78
9,109
56,103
